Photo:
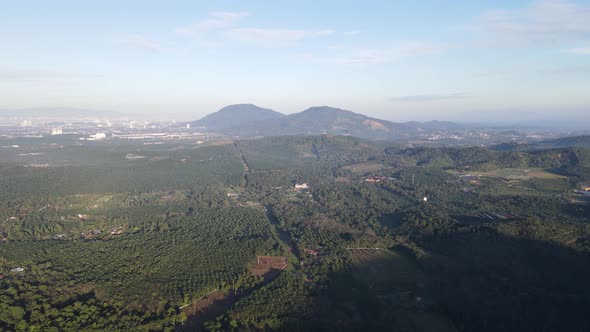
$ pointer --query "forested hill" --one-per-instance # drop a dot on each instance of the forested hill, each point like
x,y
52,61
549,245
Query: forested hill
x,y
478,158
563,142
343,149
313,121
236,115
574,141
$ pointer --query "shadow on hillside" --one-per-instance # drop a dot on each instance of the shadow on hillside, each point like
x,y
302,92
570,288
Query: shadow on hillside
x,y
479,280
486,281
207,309
210,307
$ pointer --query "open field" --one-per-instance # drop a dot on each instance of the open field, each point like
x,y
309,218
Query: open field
x,y
521,174
364,167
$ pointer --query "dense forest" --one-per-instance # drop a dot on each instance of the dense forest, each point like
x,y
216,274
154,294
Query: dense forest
x,y
376,236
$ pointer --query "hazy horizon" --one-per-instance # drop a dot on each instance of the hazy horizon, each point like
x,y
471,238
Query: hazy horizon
x,y
496,118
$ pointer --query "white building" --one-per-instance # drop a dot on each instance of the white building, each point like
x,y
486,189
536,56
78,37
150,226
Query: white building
x,y
56,131
301,186
98,136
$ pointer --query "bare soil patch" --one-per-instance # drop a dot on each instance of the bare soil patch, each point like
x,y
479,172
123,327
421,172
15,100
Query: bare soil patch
x,y
268,266
364,167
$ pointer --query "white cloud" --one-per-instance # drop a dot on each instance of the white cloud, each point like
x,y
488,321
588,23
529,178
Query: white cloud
x,y
579,50
304,56
543,22
139,42
225,24
351,33
274,36
389,54
367,57
572,70
213,21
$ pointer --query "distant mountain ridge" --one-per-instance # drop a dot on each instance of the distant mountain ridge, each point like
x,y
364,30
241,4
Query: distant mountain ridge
x,y
316,120
236,115
557,143
563,142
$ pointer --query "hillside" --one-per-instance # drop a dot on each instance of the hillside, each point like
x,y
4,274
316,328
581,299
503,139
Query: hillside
x,y
324,120
481,159
235,116
563,142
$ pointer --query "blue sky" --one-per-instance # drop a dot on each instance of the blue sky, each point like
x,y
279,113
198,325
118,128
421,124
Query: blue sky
x,y
413,60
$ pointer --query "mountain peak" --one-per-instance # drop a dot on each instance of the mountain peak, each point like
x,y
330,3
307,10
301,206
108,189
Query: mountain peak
x,y
236,115
241,107
326,109
315,120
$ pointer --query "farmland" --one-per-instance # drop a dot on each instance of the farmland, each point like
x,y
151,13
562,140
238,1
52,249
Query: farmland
x,y
216,237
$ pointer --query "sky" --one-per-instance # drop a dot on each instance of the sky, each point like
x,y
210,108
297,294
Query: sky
x,y
470,61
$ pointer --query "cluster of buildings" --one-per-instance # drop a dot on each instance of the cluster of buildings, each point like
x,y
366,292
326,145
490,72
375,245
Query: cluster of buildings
x,y
584,190
468,178
91,234
97,130
375,179
483,136
117,230
311,252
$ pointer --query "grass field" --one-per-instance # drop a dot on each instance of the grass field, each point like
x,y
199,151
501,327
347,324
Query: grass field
x,y
364,167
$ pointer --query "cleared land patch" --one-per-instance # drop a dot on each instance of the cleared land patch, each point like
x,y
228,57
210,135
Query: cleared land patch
x,y
364,167
267,266
521,174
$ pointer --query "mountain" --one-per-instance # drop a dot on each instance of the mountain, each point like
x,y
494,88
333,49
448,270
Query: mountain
x,y
324,120
564,142
236,116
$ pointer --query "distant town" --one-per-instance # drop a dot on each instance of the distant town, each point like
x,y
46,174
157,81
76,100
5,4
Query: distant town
x,y
151,132
98,130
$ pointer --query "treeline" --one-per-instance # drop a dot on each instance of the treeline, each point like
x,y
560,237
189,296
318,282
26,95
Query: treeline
x,y
40,300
